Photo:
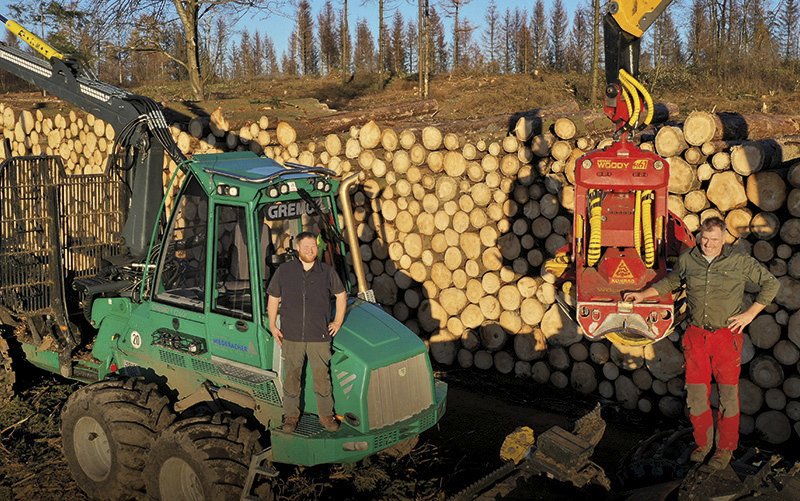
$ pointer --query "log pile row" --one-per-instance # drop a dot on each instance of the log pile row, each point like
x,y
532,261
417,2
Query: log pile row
x,y
81,141
454,235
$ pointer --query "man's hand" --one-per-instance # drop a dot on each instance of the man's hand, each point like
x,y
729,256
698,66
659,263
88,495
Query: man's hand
x,y
636,297
639,296
277,333
737,323
333,328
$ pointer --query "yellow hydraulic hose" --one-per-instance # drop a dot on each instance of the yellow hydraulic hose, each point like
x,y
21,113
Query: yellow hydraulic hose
x,y
637,223
648,99
595,227
637,104
647,223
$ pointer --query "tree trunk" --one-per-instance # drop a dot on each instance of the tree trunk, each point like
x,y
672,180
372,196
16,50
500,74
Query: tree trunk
x,y
766,372
701,127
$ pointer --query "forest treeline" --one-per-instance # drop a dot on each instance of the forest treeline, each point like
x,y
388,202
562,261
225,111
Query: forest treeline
x,y
137,42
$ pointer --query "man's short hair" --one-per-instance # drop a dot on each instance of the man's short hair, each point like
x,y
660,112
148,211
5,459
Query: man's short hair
x,y
711,223
302,236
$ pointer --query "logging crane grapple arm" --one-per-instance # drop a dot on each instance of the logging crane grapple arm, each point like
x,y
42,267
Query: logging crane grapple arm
x,y
142,134
38,295
624,235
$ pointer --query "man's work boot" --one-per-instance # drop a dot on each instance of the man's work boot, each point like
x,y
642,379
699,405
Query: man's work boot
x,y
329,423
290,424
720,459
699,454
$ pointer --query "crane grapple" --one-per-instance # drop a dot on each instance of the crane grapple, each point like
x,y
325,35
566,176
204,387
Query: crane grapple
x,y
621,237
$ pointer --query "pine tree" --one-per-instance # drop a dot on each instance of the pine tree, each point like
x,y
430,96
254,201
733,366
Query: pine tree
x,y
558,35
290,58
309,59
579,44
539,35
258,50
508,29
397,54
329,44
491,37
522,42
412,32
364,57
439,56
698,40
271,67
788,25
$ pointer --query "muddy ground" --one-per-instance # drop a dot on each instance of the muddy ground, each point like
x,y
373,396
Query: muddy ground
x,y
482,409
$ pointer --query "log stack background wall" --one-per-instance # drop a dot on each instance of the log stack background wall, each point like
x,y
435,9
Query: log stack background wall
x,y
454,235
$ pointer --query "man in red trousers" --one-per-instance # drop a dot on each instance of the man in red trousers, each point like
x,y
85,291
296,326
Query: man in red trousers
x,y
714,278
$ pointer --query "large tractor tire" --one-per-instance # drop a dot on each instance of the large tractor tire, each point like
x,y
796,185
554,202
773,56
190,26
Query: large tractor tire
x,y
107,430
201,458
8,377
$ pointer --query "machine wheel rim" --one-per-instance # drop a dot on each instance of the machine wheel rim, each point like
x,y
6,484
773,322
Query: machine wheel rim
x,y
92,448
177,480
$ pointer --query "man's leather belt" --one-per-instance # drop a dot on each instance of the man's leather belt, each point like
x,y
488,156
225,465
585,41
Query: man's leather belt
x,y
709,328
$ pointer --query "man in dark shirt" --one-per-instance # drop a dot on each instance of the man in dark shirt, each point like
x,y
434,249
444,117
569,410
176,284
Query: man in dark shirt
x,y
714,277
303,288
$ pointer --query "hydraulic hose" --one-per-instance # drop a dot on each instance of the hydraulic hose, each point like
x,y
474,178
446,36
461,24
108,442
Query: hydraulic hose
x,y
647,222
648,99
595,227
634,95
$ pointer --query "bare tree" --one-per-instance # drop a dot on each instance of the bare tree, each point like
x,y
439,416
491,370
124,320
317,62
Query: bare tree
x,y
183,17
579,43
452,9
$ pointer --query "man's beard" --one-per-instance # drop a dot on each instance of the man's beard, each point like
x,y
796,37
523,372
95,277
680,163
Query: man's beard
x,y
307,259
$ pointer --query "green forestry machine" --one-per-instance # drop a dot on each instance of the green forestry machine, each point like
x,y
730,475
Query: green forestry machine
x,y
162,313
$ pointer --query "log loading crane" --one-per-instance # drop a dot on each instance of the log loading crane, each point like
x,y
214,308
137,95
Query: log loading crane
x,y
624,236
623,239
184,380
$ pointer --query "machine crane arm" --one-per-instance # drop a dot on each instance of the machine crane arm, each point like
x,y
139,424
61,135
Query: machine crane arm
x,y
142,133
627,102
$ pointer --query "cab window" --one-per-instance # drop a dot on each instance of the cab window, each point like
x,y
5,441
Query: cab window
x,y
232,295
182,272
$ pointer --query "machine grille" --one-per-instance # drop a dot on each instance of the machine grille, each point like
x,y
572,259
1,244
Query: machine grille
x,y
268,393
172,358
399,391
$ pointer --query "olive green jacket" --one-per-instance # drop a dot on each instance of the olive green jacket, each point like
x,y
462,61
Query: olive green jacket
x,y
714,291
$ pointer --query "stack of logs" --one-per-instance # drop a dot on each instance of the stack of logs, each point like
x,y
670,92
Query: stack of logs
x,y
454,235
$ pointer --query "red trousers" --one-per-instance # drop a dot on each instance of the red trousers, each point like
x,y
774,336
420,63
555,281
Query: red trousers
x,y
717,353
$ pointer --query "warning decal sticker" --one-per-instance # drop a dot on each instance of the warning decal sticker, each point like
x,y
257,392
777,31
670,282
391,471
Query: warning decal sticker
x,y
622,274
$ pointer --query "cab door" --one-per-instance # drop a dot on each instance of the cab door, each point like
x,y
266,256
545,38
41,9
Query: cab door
x,y
231,331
